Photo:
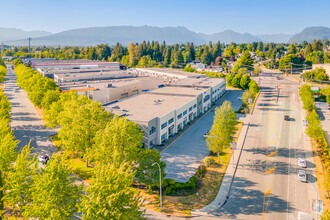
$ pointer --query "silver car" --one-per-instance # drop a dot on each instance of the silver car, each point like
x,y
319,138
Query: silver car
x,y
302,175
302,162
43,159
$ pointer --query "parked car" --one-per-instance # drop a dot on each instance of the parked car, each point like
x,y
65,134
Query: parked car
x,y
286,117
302,175
43,159
302,162
239,98
206,134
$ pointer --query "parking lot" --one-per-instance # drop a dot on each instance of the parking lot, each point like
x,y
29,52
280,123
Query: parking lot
x,y
187,152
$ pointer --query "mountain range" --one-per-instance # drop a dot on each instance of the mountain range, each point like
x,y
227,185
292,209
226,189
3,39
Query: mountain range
x,y
137,34
10,34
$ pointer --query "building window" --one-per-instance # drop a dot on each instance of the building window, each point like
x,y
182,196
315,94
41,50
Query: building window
x,y
170,121
184,113
195,106
164,125
152,130
206,98
163,137
190,109
179,116
151,143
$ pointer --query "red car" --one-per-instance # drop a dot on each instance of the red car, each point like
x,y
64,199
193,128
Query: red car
x,y
286,118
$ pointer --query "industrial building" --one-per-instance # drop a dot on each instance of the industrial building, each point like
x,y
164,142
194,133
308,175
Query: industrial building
x,y
76,64
165,111
105,91
169,74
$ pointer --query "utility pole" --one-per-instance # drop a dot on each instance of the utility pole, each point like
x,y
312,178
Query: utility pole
x,y
29,39
291,68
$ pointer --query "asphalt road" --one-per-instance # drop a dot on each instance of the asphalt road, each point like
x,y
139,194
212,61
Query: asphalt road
x,y
187,152
266,185
25,120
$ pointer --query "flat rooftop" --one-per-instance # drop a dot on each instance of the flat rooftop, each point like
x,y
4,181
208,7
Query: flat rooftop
x,y
95,75
102,84
71,62
80,71
201,82
173,71
144,107
183,91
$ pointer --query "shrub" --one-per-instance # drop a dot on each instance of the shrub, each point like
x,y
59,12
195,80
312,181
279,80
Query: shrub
x,y
201,170
168,191
208,161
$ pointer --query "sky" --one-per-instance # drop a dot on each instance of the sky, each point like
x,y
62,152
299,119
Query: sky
x,y
207,16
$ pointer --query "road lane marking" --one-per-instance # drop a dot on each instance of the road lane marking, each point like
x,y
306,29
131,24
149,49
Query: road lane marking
x,y
269,191
269,155
271,170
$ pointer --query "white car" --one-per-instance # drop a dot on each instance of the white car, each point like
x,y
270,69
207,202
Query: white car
x,y
206,134
43,159
302,162
239,98
302,175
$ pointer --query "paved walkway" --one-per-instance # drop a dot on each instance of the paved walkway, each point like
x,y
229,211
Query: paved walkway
x,y
27,125
188,151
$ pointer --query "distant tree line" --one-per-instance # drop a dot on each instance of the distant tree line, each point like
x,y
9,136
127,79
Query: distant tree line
x,y
148,54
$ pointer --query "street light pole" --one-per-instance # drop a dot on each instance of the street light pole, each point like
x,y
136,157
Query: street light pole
x,y
160,185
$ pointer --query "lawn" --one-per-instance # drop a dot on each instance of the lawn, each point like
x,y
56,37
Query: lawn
x,y
77,164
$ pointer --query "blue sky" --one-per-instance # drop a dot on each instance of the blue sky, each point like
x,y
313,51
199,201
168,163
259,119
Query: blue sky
x,y
208,16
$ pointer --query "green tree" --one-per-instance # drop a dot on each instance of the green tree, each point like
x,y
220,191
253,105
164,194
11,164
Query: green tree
x,y
110,196
307,97
223,128
146,172
19,182
7,156
244,61
80,123
245,80
119,141
54,193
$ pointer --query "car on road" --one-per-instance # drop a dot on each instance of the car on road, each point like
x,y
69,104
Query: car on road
x,y
206,134
239,98
302,162
43,159
286,117
302,175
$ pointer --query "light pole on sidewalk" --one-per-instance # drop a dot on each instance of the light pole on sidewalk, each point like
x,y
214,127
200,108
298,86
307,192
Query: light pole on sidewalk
x,y
160,185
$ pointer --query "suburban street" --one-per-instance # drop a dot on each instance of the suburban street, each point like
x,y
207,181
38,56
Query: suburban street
x,y
187,152
25,120
266,184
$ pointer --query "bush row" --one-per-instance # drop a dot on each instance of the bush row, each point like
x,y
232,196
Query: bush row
x,y
171,186
42,91
307,97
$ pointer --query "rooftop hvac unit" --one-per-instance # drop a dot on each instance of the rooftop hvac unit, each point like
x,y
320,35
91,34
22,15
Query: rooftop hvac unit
x,y
108,85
